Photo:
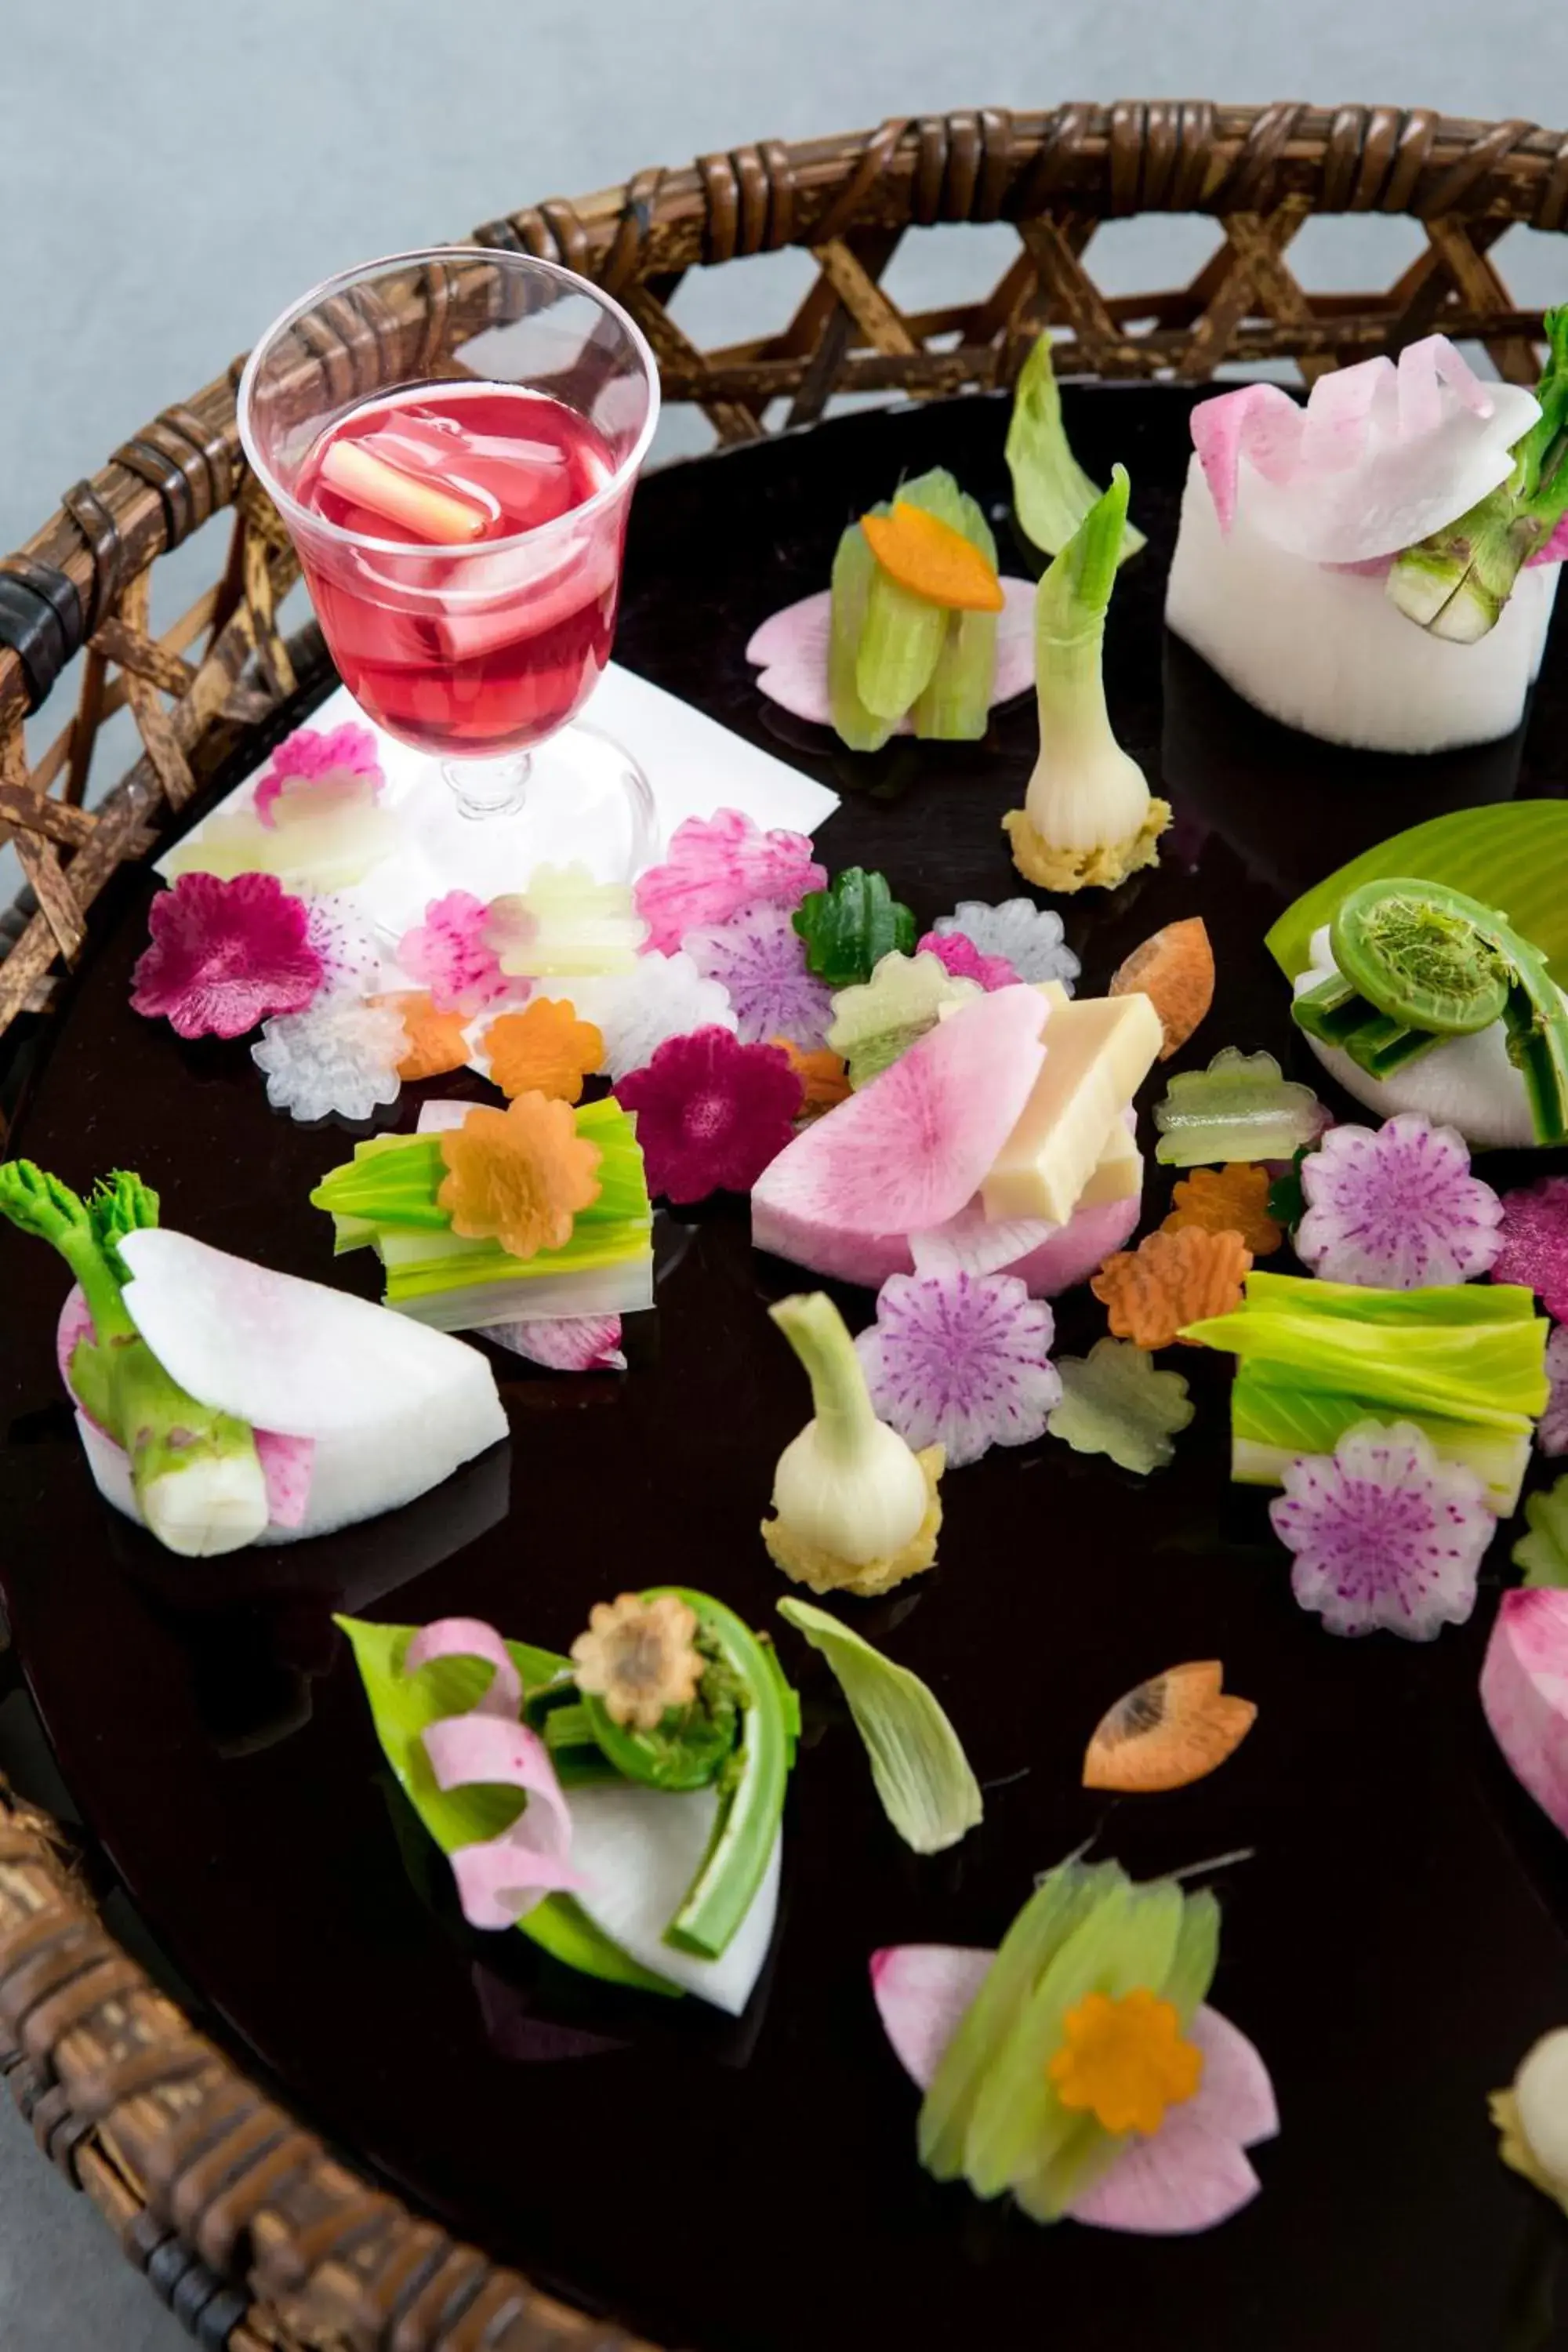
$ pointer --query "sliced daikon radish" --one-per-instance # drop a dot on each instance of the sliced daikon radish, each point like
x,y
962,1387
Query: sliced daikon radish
x,y
1465,1082
393,1408
638,1851
1325,650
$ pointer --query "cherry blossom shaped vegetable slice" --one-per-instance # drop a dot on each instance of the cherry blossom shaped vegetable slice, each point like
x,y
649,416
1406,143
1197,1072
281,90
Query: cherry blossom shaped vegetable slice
x,y
758,957
711,1113
715,866
1552,1432
225,955
451,957
1233,1199
637,1012
1524,1695
962,1361
1396,1209
963,961
1190,2175
1534,1242
1542,1553
875,1021
1033,938
1385,1536
309,756
346,942
341,1055
1168,1281
791,648
565,924
1115,1402
1241,1107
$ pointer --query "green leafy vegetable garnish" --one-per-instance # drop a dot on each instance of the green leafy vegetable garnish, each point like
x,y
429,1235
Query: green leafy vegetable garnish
x,y
1543,1553
1456,583
1419,961
1463,1362
921,1773
195,1474
849,927
1051,492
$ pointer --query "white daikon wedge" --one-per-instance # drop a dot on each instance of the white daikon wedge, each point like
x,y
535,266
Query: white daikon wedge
x,y
639,1850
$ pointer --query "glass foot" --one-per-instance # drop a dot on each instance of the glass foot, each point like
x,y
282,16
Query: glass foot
x,y
579,800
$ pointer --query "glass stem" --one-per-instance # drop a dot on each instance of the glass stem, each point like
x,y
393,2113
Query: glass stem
x,y
487,788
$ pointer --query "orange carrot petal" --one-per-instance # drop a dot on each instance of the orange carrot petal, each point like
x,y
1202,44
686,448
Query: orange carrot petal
x,y
1172,1730
927,556
544,1049
1233,1199
1170,1280
518,1176
435,1040
1175,970
824,1077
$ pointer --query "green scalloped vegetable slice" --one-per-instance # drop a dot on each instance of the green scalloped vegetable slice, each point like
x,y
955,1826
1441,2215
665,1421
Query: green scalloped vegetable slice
x,y
1543,1553
1512,856
923,1778
400,1707
849,927
1241,1107
1051,492
877,1020
1114,1401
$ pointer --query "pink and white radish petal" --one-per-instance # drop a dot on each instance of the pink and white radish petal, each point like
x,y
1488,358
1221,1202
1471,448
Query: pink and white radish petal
x,y
1079,1249
791,650
1552,1430
450,957
346,942
225,955
1190,2175
1524,1694
1385,1536
972,1244
1032,938
1534,1242
287,1463
637,1012
572,1343
715,866
311,756
1397,1208
959,955
962,1361
758,957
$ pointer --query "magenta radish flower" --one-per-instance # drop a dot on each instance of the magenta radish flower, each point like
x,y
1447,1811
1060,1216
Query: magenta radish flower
x,y
225,955
960,1361
1190,2175
1385,1536
448,955
1031,938
758,957
959,956
711,1113
715,866
1534,1249
1551,1431
1397,1208
341,1056
312,757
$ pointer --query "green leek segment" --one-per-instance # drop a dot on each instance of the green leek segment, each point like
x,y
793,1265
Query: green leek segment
x,y
892,653
1051,492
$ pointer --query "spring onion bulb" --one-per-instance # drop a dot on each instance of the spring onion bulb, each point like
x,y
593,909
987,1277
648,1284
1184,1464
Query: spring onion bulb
x,y
1532,2117
1088,818
854,1505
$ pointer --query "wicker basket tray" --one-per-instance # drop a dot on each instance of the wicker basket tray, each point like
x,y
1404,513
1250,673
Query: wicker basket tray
x,y
244,2222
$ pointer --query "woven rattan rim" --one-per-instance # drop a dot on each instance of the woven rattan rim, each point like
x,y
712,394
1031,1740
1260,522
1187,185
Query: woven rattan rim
x,y
247,2226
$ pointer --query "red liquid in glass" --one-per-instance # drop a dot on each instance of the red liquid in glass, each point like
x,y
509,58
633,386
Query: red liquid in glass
x,y
455,633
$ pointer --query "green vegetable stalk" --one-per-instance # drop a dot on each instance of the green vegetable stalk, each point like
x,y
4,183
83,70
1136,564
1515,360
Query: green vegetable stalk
x,y
195,1471
1456,583
1051,492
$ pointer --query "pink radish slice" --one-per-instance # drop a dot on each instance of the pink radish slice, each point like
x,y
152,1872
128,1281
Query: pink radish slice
x,y
1071,1254
1524,1695
286,1462
1556,548
1188,2176
911,1150
792,650
572,1343
972,1244
1079,1249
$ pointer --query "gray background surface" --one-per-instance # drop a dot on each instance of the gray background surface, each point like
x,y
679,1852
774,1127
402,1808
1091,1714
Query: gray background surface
x,y
172,175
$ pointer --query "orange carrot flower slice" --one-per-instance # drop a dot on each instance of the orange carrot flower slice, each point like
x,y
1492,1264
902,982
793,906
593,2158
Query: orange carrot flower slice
x,y
543,1050
1175,970
435,1040
518,1176
926,555
1233,1199
1168,1281
1173,1729
1125,2061
824,1077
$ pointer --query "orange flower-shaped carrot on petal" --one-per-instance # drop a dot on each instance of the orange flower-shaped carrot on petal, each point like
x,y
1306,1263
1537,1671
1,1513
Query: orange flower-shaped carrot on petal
x,y
1125,2062
435,1040
1168,1281
1230,1200
518,1176
543,1050
824,1077
1174,970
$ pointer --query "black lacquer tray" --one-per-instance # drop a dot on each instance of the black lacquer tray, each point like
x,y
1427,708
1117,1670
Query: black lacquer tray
x,y
1400,1931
